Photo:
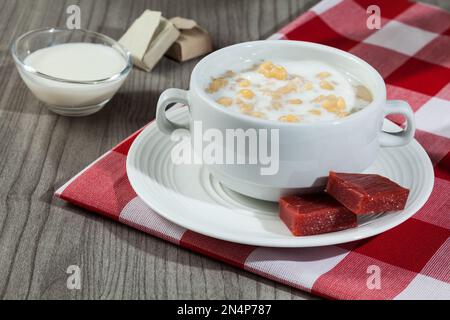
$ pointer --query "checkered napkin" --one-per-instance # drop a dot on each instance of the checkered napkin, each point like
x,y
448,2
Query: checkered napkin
x,y
412,53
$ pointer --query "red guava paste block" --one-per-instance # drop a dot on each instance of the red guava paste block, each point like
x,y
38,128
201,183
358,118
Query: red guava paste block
x,y
366,193
314,214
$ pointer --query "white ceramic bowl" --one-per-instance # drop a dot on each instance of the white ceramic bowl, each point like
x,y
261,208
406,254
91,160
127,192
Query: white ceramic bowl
x,y
64,96
307,151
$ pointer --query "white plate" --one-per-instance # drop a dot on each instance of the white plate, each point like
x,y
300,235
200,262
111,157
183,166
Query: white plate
x,y
190,197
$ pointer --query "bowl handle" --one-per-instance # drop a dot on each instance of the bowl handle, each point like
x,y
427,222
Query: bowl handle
x,y
395,139
166,99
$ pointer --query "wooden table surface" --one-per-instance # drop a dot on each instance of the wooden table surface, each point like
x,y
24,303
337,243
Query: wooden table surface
x,y
40,236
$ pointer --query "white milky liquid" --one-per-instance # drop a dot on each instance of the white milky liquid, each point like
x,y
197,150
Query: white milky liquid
x,y
75,62
304,71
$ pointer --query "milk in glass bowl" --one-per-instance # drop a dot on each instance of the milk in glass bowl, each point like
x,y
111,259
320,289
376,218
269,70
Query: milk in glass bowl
x,y
74,72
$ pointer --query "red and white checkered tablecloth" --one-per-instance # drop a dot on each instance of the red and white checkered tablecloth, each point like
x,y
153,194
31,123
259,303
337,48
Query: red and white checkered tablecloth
x,y
412,53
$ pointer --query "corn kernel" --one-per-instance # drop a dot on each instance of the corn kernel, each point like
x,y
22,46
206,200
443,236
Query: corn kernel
x,y
265,68
290,87
297,80
342,114
332,97
319,99
341,103
253,67
258,114
229,74
276,105
216,84
279,73
244,82
334,104
269,70
315,112
246,93
363,93
289,118
295,101
308,86
225,101
245,107
323,75
266,65
330,105
324,84
275,95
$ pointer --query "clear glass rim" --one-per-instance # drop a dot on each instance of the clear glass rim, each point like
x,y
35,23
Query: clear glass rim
x,y
113,42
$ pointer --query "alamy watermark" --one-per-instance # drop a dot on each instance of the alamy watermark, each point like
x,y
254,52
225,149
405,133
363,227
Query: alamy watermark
x,y
374,19
374,279
236,146
74,19
74,278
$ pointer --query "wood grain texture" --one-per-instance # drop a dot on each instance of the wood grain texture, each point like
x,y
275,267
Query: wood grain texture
x,y
41,236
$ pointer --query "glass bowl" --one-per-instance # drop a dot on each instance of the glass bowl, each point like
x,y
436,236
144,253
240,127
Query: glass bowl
x,y
64,96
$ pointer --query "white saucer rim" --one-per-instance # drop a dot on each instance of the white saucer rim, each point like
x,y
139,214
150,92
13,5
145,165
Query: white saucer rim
x,y
366,231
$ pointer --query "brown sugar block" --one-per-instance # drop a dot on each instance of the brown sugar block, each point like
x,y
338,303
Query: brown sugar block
x,y
366,193
148,38
315,214
194,41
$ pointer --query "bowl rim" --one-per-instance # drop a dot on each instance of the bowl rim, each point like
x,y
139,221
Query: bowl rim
x,y
114,44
